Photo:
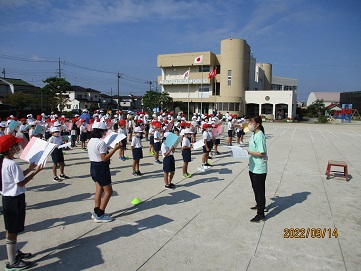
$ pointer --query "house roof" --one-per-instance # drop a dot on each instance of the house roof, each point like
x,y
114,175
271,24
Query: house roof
x,y
328,96
79,88
15,82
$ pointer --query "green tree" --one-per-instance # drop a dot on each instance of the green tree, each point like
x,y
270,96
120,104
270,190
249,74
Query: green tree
x,y
54,93
19,100
319,105
153,99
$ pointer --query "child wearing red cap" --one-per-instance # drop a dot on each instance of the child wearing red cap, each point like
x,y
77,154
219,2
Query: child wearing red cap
x,y
12,187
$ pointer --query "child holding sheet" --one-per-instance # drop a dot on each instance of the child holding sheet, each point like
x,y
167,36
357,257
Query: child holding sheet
x,y
207,145
12,187
57,154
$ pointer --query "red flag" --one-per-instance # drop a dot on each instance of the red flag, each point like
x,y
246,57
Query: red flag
x,y
213,73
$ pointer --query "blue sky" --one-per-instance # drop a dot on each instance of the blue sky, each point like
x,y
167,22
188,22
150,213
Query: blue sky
x,y
316,42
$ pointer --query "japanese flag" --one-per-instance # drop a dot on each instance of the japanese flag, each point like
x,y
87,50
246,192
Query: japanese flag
x,y
198,59
186,74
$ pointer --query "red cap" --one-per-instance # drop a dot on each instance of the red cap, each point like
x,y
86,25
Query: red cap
x,y
205,125
139,121
122,122
182,115
120,113
7,141
23,119
171,113
188,124
166,121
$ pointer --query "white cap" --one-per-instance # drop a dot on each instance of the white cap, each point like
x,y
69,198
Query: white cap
x,y
188,131
29,115
229,118
166,134
54,129
99,125
32,123
3,125
76,115
183,118
57,123
138,130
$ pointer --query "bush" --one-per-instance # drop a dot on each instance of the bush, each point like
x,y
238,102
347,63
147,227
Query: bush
x,y
322,119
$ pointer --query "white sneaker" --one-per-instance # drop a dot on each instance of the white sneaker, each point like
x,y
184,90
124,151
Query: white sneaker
x,y
103,219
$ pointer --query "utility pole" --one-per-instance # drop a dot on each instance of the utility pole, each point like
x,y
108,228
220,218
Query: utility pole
x,y
59,69
150,84
3,72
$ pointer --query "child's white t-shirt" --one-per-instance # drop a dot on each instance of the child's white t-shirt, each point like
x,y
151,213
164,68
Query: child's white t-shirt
x,y
12,174
96,146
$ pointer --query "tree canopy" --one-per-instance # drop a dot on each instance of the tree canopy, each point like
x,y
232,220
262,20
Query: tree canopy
x,y
154,99
20,100
54,93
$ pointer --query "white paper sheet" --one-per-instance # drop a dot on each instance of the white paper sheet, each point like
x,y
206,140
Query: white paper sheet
x,y
238,152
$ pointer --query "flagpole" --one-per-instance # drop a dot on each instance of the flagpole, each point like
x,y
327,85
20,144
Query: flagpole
x,y
188,96
215,93
202,90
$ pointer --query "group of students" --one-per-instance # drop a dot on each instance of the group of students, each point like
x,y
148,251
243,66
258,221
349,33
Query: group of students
x,y
13,179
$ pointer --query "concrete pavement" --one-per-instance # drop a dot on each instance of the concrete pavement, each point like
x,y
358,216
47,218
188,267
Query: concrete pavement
x,y
204,223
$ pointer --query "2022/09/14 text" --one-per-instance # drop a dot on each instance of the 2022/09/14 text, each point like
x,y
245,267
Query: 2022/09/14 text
x,y
310,233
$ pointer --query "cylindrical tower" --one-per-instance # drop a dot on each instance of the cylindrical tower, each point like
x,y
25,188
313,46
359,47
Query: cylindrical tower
x,y
267,80
235,59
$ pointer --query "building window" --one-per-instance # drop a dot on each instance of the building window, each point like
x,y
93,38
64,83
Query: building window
x,y
217,89
95,96
204,68
205,88
68,106
229,77
236,107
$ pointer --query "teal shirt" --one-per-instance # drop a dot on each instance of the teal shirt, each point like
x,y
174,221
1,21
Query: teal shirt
x,y
257,143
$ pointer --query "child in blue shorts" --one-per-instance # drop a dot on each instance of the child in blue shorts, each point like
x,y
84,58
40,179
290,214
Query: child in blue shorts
x,y
168,163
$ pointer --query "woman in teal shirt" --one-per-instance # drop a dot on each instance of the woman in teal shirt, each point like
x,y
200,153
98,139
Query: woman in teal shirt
x,y
258,165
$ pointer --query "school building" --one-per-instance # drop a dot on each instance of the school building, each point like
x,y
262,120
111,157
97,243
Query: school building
x,y
241,86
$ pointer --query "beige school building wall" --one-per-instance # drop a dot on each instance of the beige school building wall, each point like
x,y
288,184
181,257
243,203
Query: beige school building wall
x,y
237,75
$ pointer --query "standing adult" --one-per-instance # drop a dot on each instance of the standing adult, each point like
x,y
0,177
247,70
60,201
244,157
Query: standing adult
x,y
258,165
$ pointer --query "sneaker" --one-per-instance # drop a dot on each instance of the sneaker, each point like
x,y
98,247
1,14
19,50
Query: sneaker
x,y
151,153
208,165
218,153
135,173
18,264
56,179
139,173
172,185
157,162
64,176
258,218
189,175
103,219
94,215
23,256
